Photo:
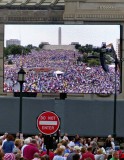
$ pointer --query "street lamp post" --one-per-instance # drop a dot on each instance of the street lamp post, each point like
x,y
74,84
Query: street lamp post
x,y
21,80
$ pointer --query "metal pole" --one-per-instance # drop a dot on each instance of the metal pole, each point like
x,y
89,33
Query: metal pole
x,y
47,144
115,100
20,109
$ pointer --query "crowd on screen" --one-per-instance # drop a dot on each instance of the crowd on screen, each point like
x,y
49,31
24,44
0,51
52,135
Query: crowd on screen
x,y
75,77
63,148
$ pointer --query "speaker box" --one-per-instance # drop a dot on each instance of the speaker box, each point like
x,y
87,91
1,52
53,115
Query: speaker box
x,y
63,95
25,94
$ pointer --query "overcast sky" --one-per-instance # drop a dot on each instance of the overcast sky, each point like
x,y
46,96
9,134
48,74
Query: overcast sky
x,y
84,34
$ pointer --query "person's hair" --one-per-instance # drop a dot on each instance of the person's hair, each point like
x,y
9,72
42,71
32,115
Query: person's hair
x,y
34,141
89,148
83,149
99,151
27,140
114,153
17,156
18,142
10,137
76,157
64,143
36,155
42,158
45,157
59,144
59,151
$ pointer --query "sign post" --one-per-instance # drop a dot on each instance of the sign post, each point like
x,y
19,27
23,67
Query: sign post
x,y
48,123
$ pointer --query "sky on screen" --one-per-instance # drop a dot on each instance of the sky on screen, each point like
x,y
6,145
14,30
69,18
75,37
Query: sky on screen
x,y
84,34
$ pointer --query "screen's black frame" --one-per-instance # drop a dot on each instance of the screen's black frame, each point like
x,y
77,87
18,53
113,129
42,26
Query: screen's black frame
x,y
98,23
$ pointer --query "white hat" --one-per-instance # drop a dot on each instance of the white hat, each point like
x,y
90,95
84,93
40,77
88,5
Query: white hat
x,y
77,148
71,144
62,146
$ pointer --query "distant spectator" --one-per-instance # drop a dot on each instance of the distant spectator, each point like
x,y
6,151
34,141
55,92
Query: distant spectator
x,y
9,144
100,155
36,156
18,145
9,156
51,154
74,150
83,150
45,157
26,142
113,143
76,157
108,144
115,155
30,150
65,137
88,154
59,154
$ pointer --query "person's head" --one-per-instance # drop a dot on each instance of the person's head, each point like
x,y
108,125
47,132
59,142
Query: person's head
x,y
77,149
59,151
76,157
71,149
84,141
66,155
99,151
83,149
109,137
36,137
64,143
89,149
5,135
27,140
10,137
115,155
89,139
63,147
66,134
95,139
18,156
18,143
45,157
36,155
40,135
34,141
77,136
59,144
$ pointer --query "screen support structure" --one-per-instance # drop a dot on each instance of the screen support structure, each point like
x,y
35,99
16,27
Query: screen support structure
x,y
115,98
105,68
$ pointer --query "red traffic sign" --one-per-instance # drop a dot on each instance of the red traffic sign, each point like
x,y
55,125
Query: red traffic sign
x,y
48,123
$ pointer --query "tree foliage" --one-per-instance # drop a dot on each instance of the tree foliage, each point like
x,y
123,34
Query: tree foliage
x,y
18,49
91,54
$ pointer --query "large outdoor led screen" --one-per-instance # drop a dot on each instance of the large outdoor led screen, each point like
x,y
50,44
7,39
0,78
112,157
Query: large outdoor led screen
x,y
63,58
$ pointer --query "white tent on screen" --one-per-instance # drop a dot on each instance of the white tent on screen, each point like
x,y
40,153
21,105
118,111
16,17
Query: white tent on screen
x,y
88,68
58,73
112,65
